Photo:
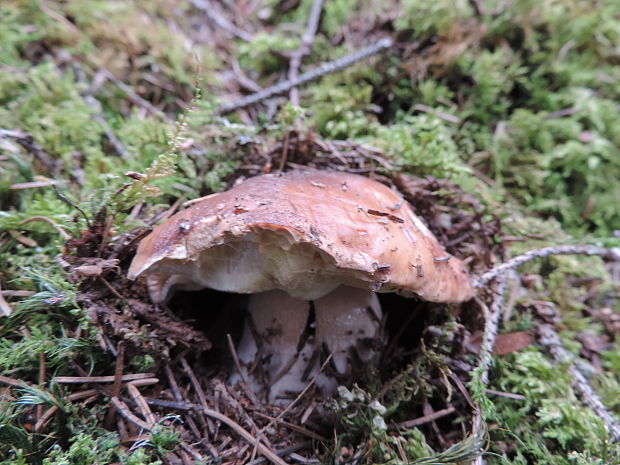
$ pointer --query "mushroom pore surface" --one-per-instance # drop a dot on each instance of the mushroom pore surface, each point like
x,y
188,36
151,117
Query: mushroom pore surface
x,y
303,232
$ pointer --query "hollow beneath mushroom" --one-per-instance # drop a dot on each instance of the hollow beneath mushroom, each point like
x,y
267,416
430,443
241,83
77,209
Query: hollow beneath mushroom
x,y
218,314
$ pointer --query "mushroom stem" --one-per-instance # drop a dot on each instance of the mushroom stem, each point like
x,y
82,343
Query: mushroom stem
x,y
273,351
277,352
348,321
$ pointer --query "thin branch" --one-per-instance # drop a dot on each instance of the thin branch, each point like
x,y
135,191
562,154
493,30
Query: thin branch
x,y
438,113
245,435
220,21
135,394
71,203
609,253
123,410
326,68
100,379
134,97
64,234
42,375
115,142
5,308
549,338
302,393
304,48
222,418
491,327
117,383
294,427
426,418
233,353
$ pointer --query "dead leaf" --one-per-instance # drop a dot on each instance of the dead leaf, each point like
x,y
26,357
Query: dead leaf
x,y
511,342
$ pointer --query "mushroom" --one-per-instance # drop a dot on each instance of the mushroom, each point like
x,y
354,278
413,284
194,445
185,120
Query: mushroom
x,y
311,248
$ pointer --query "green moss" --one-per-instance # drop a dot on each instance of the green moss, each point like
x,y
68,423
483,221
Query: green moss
x,y
262,54
549,421
428,18
423,145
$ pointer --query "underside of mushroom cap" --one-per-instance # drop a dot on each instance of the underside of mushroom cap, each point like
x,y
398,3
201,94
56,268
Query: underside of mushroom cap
x,y
304,232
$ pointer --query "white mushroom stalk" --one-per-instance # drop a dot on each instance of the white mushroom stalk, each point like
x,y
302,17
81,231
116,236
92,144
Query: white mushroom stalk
x,y
300,241
278,354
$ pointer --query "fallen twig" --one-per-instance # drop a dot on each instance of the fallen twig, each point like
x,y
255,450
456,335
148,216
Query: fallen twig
x,y
117,383
222,418
609,253
426,418
5,308
64,234
134,97
26,140
304,48
549,338
115,142
491,327
294,427
135,394
220,21
41,381
245,435
283,452
326,68
100,379
440,114
124,411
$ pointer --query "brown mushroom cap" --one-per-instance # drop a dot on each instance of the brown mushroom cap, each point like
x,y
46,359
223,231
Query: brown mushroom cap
x,y
305,232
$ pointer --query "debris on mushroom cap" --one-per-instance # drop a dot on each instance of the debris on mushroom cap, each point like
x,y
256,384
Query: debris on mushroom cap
x,y
305,232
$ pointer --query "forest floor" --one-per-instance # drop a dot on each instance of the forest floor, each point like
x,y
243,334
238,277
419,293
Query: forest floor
x,y
497,120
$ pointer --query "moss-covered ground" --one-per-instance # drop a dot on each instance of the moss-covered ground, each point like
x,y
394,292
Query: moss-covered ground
x,y
508,110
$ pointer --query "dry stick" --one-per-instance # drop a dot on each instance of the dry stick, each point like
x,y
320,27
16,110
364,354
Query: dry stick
x,y
302,393
176,392
290,406
10,293
326,68
491,327
5,308
65,235
427,418
549,338
115,142
220,21
124,411
245,435
18,383
42,373
71,203
196,385
440,114
283,452
135,394
100,379
234,404
116,387
233,352
224,419
294,427
609,253
134,97
304,48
